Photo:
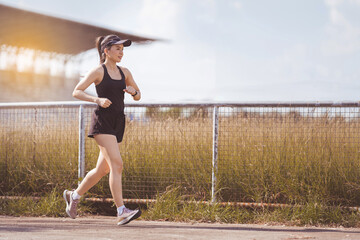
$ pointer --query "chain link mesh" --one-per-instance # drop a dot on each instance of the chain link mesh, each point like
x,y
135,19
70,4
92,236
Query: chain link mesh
x,y
38,149
270,153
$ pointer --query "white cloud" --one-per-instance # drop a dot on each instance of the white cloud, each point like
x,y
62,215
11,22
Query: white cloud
x,y
236,4
204,3
333,2
342,36
336,17
357,2
159,18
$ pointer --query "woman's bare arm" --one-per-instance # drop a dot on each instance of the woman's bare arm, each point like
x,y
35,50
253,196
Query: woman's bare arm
x,y
131,86
94,76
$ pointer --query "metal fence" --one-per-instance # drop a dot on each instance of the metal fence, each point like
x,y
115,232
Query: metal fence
x,y
253,152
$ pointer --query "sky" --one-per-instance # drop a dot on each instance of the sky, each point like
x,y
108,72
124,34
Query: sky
x,y
229,50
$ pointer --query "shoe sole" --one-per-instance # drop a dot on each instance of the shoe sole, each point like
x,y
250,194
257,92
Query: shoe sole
x,y
130,218
67,210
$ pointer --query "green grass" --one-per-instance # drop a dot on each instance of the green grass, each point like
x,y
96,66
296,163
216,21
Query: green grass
x,y
170,206
51,205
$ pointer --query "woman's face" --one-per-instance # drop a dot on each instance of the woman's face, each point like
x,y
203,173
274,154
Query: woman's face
x,y
115,52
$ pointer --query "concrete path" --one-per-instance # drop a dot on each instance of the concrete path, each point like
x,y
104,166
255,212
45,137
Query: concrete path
x,y
102,228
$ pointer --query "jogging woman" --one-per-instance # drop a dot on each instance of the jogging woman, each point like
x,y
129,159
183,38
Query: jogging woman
x,y
107,123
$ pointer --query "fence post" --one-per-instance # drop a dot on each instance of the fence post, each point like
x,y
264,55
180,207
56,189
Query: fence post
x,y
81,164
215,152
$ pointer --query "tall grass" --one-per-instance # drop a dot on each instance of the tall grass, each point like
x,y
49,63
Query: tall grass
x,y
38,151
272,157
290,160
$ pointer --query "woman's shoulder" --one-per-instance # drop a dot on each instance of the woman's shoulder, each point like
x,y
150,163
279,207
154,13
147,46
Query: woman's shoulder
x,y
125,70
97,71
96,74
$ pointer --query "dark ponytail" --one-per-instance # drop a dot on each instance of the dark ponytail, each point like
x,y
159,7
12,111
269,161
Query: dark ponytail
x,y
98,46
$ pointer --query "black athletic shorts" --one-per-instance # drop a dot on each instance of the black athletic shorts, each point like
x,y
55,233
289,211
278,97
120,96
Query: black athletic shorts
x,y
107,123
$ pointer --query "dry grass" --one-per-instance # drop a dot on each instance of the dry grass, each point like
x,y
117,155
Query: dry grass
x,y
262,158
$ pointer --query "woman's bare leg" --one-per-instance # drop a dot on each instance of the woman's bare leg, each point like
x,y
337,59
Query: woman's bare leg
x,y
102,168
109,147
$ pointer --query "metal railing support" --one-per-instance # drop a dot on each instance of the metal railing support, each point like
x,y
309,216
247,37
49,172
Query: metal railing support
x,y
215,153
81,164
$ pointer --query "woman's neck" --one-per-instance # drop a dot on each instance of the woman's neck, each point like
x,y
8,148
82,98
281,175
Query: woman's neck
x,y
110,64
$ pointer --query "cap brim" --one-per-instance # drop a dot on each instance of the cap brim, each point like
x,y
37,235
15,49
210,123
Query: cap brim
x,y
125,42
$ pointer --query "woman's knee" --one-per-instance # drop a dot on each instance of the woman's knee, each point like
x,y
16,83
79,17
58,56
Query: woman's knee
x,y
116,165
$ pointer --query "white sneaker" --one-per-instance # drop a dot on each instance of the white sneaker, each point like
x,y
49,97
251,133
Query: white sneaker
x,y
127,216
71,204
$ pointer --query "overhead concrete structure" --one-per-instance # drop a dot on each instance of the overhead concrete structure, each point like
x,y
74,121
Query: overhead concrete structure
x,y
27,29
31,42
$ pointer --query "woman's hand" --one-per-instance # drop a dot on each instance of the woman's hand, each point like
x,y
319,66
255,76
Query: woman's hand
x,y
130,90
103,102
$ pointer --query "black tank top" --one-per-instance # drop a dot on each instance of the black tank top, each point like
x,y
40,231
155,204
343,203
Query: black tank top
x,y
113,90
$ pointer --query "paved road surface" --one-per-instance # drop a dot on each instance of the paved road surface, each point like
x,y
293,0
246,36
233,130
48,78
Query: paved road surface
x,y
102,228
